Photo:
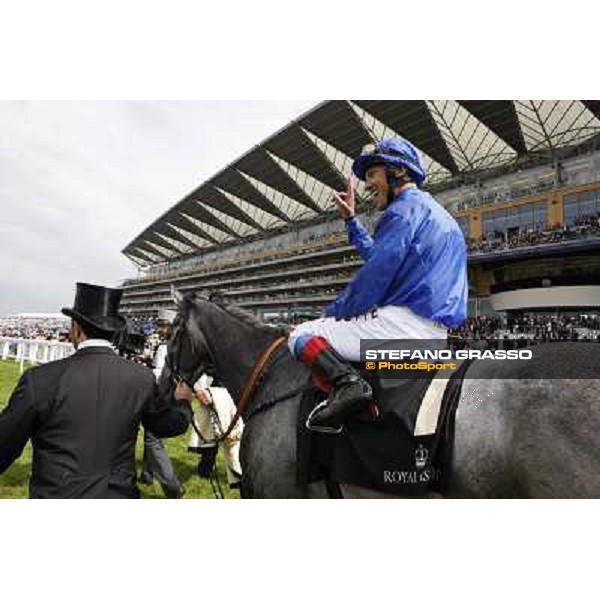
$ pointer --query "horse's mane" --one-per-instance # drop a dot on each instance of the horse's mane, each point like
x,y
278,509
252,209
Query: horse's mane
x,y
239,313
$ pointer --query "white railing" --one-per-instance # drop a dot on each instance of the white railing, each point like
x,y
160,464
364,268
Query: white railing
x,y
34,351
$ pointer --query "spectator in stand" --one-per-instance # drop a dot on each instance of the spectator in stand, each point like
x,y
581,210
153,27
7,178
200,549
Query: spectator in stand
x,y
585,226
527,328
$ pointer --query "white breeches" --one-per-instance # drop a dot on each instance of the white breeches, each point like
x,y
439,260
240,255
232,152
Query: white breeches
x,y
387,323
213,423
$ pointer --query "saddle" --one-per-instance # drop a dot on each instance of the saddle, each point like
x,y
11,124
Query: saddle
x,y
406,450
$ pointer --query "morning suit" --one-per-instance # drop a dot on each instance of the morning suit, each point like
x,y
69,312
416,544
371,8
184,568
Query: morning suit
x,y
82,415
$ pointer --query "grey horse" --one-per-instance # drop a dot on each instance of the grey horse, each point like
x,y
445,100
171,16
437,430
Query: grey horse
x,y
517,434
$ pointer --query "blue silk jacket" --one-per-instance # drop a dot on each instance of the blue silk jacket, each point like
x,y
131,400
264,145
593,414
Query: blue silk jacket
x,y
417,258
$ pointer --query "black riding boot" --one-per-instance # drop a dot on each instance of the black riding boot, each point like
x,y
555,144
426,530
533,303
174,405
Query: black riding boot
x,y
350,392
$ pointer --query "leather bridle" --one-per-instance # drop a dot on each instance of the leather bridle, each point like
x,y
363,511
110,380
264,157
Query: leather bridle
x,y
250,386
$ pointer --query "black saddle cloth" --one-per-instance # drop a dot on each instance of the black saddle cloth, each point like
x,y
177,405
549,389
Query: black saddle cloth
x,y
383,454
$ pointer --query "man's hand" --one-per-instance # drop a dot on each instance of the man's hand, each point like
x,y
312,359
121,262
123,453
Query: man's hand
x,y
205,397
183,392
345,201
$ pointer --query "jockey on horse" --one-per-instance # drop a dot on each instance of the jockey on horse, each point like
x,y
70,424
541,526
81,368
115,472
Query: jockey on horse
x,y
413,284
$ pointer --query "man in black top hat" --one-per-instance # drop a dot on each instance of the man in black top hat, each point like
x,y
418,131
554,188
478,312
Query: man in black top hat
x,y
82,413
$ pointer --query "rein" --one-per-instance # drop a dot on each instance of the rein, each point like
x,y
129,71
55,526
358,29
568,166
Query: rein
x,y
252,382
250,386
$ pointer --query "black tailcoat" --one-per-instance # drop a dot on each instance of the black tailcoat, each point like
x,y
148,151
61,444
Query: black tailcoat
x,y
82,415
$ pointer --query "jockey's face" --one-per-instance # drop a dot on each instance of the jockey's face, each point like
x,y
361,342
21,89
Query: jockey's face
x,y
376,181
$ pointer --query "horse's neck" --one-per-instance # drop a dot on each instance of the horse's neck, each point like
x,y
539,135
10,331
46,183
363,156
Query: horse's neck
x,y
235,346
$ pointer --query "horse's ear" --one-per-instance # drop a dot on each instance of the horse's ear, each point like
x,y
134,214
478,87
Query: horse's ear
x,y
176,296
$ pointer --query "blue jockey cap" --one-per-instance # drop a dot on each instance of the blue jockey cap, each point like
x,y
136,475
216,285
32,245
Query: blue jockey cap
x,y
395,152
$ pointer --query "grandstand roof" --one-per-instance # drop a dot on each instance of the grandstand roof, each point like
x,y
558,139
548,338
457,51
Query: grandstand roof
x,y
289,177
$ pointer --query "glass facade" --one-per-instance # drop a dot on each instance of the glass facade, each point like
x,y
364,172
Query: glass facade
x,y
528,217
581,205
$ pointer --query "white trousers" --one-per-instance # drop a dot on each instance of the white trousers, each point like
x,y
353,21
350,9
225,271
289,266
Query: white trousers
x,y
213,423
387,323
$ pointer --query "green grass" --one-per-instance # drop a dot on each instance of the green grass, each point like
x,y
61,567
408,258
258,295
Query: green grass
x,y
14,481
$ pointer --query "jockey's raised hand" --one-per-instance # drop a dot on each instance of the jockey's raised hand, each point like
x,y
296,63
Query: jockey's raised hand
x,y
345,201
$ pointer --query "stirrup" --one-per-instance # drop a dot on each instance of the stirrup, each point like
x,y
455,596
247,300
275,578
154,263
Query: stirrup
x,y
321,428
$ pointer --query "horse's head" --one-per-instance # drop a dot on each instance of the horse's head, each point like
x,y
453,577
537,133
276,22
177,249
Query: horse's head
x,y
188,354
210,334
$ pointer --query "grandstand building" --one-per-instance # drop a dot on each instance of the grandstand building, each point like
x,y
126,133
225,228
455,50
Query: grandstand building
x,y
522,178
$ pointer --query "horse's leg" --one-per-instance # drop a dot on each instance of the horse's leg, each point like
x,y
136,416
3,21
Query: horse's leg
x,y
528,438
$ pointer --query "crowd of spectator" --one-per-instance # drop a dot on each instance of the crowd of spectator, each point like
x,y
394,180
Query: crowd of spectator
x,y
35,328
527,329
584,226
140,346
